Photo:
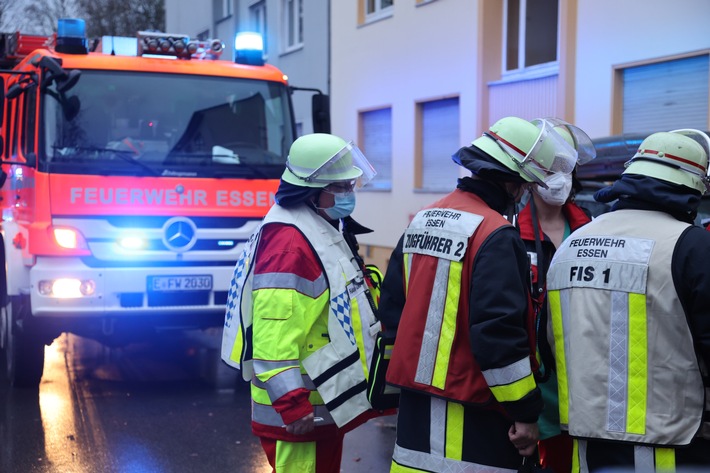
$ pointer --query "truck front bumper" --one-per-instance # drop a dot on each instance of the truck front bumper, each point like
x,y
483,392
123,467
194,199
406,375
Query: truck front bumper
x,y
129,291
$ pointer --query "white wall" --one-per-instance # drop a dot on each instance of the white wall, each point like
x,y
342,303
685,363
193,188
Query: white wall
x,y
425,52
612,32
420,53
308,66
186,17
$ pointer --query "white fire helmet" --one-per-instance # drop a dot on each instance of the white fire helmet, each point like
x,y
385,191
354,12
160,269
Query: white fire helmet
x,y
678,156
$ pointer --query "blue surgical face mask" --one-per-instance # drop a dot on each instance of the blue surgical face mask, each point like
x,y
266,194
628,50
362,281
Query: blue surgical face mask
x,y
344,206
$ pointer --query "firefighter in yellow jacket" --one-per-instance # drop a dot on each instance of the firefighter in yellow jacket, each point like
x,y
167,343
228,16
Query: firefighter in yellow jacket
x,y
456,294
300,322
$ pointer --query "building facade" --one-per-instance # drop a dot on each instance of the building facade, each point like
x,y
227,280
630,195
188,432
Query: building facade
x,y
411,81
296,38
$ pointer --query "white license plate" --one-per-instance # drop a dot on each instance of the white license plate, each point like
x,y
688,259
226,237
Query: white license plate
x,y
179,283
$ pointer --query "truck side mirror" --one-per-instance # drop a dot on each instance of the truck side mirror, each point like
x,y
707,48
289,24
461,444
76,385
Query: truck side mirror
x,y
14,91
320,107
31,159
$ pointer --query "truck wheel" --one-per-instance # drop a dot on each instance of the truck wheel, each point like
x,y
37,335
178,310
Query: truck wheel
x,y
23,348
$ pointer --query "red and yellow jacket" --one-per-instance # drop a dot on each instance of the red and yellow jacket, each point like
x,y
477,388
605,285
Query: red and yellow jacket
x,y
462,333
306,327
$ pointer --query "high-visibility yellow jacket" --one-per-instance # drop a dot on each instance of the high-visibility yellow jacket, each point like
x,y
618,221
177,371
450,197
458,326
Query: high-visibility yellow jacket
x,y
306,327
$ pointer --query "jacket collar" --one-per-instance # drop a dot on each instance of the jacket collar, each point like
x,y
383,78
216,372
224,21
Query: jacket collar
x,y
575,215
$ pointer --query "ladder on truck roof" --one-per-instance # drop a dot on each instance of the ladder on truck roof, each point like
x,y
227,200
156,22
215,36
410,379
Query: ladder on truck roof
x,y
16,46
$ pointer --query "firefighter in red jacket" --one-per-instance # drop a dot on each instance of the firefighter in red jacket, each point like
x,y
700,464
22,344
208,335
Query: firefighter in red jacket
x,y
557,215
456,294
300,318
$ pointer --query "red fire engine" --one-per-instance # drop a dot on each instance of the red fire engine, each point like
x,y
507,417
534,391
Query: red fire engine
x,y
129,183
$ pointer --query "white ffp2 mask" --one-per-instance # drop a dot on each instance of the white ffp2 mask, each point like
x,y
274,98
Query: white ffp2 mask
x,y
558,189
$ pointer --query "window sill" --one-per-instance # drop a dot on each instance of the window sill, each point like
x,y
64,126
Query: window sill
x,y
379,16
534,72
291,49
223,19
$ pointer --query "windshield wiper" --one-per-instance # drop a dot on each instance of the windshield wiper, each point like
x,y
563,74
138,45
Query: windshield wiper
x,y
123,154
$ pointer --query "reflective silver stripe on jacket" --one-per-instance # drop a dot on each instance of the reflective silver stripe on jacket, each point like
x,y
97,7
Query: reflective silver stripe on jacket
x,y
267,415
290,281
262,366
432,329
427,462
582,455
618,363
305,379
643,459
508,374
283,382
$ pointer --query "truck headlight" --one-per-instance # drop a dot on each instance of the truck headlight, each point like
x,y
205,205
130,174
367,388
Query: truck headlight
x,y
67,288
69,238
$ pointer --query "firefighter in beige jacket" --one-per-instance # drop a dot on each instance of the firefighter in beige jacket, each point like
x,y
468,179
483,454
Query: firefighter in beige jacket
x,y
629,302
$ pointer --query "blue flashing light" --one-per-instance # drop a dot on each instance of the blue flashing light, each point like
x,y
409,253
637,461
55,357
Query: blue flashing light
x,y
248,41
71,28
71,36
249,48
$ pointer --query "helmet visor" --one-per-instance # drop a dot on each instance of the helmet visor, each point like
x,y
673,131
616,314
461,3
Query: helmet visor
x,y
582,142
348,164
550,154
698,136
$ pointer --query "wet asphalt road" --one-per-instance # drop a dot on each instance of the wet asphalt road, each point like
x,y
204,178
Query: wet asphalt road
x,y
164,407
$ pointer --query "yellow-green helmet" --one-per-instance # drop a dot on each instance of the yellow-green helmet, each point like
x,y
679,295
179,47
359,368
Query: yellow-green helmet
x,y
679,157
533,150
319,159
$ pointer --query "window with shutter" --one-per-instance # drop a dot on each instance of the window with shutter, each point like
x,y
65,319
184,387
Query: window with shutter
x,y
439,140
376,144
666,95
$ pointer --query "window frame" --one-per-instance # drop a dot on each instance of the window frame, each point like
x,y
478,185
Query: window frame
x,y
258,22
225,9
292,22
382,182
10,128
379,12
619,94
522,71
421,161
29,105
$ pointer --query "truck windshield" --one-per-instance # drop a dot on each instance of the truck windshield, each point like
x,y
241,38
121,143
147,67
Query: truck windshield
x,y
131,123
